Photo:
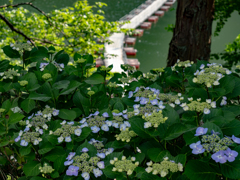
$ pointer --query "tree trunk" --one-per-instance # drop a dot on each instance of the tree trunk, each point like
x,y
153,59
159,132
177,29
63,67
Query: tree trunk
x,y
192,33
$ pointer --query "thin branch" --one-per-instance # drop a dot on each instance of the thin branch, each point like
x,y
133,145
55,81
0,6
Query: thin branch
x,y
11,26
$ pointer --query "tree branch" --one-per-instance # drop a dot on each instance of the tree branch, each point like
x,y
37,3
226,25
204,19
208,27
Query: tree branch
x,y
11,26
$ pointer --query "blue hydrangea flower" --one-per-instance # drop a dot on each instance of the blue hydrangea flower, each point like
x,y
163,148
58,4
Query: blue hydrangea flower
x,y
84,125
26,129
67,163
83,120
101,165
36,142
137,88
144,101
95,129
109,151
137,99
96,113
30,117
125,116
105,127
219,157
97,172
68,139
117,114
231,154
70,156
105,115
201,131
78,132
194,145
206,111
235,139
130,94
136,106
109,123
71,123
101,155
55,112
17,139
198,150
202,66
40,131
72,171
85,175
115,125
127,123
84,150
154,102
23,143
60,139
123,126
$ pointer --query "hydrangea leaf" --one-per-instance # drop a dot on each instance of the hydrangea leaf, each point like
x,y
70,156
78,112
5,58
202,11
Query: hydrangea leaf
x,y
31,168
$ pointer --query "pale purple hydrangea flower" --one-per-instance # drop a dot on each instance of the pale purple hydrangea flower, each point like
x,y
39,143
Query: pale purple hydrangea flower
x,y
130,94
201,131
137,88
123,126
101,155
78,132
127,123
97,172
83,120
71,123
67,163
154,102
68,139
116,125
84,125
17,139
70,156
101,165
72,171
109,123
231,155
96,113
144,101
85,175
23,143
105,127
235,139
84,150
55,112
194,145
95,129
125,116
137,99
105,115
198,150
40,131
219,157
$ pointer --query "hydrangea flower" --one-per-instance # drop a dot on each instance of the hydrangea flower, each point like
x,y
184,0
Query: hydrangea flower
x,y
95,129
101,155
231,155
70,156
206,111
85,175
235,139
68,139
130,94
17,139
201,131
67,163
72,171
60,139
97,172
101,165
84,150
78,132
105,115
23,143
105,127
219,157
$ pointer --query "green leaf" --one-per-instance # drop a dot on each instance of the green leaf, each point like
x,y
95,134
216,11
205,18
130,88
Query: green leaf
x,y
176,130
211,127
31,168
137,125
54,154
111,174
67,114
59,163
232,128
199,170
6,105
190,138
3,160
61,84
39,97
71,87
95,79
63,58
140,157
12,53
37,54
180,158
45,148
231,169
4,65
119,106
32,81
227,83
111,157
37,178
172,115
157,154
236,91
27,105
15,117
25,150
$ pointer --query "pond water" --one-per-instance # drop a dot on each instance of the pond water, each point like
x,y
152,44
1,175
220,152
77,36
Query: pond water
x,y
153,45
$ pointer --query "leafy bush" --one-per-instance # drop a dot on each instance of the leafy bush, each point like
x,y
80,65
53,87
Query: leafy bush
x,y
59,122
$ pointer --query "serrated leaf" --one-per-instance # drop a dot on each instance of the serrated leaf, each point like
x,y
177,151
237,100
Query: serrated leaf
x,y
31,168
27,105
95,79
15,117
67,114
12,53
25,150
157,154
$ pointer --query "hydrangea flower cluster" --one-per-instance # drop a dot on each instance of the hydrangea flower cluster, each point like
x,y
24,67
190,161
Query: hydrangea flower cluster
x,y
37,121
59,66
124,165
9,74
183,64
97,122
125,135
46,169
125,80
210,75
149,76
214,144
85,164
112,85
46,76
154,119
23,83
164,167
66,131
199,106
102,152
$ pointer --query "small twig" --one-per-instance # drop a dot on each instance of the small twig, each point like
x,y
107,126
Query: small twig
x,y
11,26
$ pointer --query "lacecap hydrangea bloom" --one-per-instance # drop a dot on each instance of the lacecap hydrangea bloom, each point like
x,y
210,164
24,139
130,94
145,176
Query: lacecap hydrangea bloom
x,y
124,165
214,144
164,167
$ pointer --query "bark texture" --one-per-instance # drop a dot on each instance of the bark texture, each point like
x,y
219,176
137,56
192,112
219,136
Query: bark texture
x,y
192,33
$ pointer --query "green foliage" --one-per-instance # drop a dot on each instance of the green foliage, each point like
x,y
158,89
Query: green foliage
x,y
74,119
